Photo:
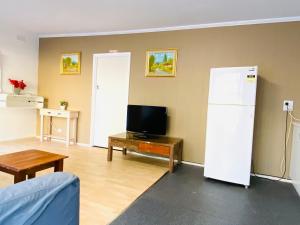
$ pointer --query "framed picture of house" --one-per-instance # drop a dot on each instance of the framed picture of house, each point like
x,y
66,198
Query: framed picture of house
x,y
70,63
161,63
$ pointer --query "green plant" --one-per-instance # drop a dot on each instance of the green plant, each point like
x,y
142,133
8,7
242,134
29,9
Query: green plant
x,y
63,103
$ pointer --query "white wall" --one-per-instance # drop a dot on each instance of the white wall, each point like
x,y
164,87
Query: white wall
x,y
19,59
295,158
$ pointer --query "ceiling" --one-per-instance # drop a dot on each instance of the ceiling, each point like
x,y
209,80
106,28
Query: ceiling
x,y
52,17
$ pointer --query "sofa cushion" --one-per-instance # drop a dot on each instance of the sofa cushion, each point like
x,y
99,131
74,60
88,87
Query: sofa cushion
x,y
50,199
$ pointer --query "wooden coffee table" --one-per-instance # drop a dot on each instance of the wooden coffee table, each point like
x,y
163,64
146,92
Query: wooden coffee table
x,y
27,163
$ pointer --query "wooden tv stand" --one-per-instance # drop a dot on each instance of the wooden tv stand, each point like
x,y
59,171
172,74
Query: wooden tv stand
x,y
161,146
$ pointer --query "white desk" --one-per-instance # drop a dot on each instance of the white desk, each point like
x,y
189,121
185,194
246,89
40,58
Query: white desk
x,y
70,116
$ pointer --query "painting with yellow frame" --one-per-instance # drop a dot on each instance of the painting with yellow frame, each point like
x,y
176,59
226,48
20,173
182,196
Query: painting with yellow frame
x,y
161,63
70,63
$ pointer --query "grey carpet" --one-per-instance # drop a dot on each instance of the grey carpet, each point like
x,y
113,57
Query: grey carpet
x,y
187,198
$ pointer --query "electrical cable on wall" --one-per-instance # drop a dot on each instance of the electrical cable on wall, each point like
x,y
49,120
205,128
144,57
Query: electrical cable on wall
x,y
286,140
285,143
293,117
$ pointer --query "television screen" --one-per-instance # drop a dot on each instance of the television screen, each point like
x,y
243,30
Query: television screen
x,y
147,119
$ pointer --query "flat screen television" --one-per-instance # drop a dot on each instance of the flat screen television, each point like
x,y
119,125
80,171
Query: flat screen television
x,y
146,121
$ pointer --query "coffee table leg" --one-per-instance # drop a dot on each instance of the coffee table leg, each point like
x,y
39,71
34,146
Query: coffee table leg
x,y
19,177
59,165
31,175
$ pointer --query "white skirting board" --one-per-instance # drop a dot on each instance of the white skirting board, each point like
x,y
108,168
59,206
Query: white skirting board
x,y
61,140
201,165
183,162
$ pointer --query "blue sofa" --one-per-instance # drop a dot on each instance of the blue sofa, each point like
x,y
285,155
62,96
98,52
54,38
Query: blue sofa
x,y
47,200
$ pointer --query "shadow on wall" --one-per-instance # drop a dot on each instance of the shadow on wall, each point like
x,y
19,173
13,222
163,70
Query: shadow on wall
x,y
268,95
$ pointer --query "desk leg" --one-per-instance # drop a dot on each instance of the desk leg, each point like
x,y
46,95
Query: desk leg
x,y
50,128
59,165
68,132
19,177
171,160
42,129
75,130
110,152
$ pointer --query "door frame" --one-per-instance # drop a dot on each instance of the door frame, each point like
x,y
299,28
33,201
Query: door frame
x,y
94,79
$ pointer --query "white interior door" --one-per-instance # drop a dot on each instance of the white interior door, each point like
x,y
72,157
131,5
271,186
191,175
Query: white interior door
x,y
111,86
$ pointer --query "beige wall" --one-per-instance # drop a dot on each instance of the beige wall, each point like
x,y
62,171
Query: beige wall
x,y
274,48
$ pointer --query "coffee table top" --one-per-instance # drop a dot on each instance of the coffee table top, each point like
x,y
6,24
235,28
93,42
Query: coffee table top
x,y
23,160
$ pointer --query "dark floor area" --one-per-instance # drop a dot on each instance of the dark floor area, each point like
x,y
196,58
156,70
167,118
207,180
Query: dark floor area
x,y
187,198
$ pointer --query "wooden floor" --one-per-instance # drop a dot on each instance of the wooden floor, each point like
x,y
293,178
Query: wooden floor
x,y
107,188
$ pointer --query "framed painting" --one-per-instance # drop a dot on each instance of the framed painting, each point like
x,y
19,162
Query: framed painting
x,y
161,63
70,63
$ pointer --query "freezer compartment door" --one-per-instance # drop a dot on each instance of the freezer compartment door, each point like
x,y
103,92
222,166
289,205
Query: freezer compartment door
x,y
234,86
228,149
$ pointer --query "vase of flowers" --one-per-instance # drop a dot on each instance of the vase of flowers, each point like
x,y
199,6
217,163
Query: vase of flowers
x,y
63,105
16,91
17,86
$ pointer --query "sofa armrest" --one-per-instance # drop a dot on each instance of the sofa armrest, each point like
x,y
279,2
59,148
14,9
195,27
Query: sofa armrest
x,y
46,200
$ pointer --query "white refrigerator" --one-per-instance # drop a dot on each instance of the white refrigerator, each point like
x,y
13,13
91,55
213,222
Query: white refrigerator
x,y
230,123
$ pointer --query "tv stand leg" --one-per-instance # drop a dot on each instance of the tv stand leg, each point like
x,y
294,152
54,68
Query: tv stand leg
x,y
124,151
110,152
171,160
179,153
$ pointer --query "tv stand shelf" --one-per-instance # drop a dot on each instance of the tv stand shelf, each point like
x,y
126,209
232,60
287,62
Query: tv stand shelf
x,y
161,146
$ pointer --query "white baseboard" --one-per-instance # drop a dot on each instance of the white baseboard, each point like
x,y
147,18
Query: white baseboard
x,y
13,139
184,162
272,178
166,159
60,140
149,156
84,144
201,165
193,164
257,175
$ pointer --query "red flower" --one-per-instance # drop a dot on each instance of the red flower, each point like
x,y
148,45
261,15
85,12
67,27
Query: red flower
x,y
22,85
15,83
18,84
